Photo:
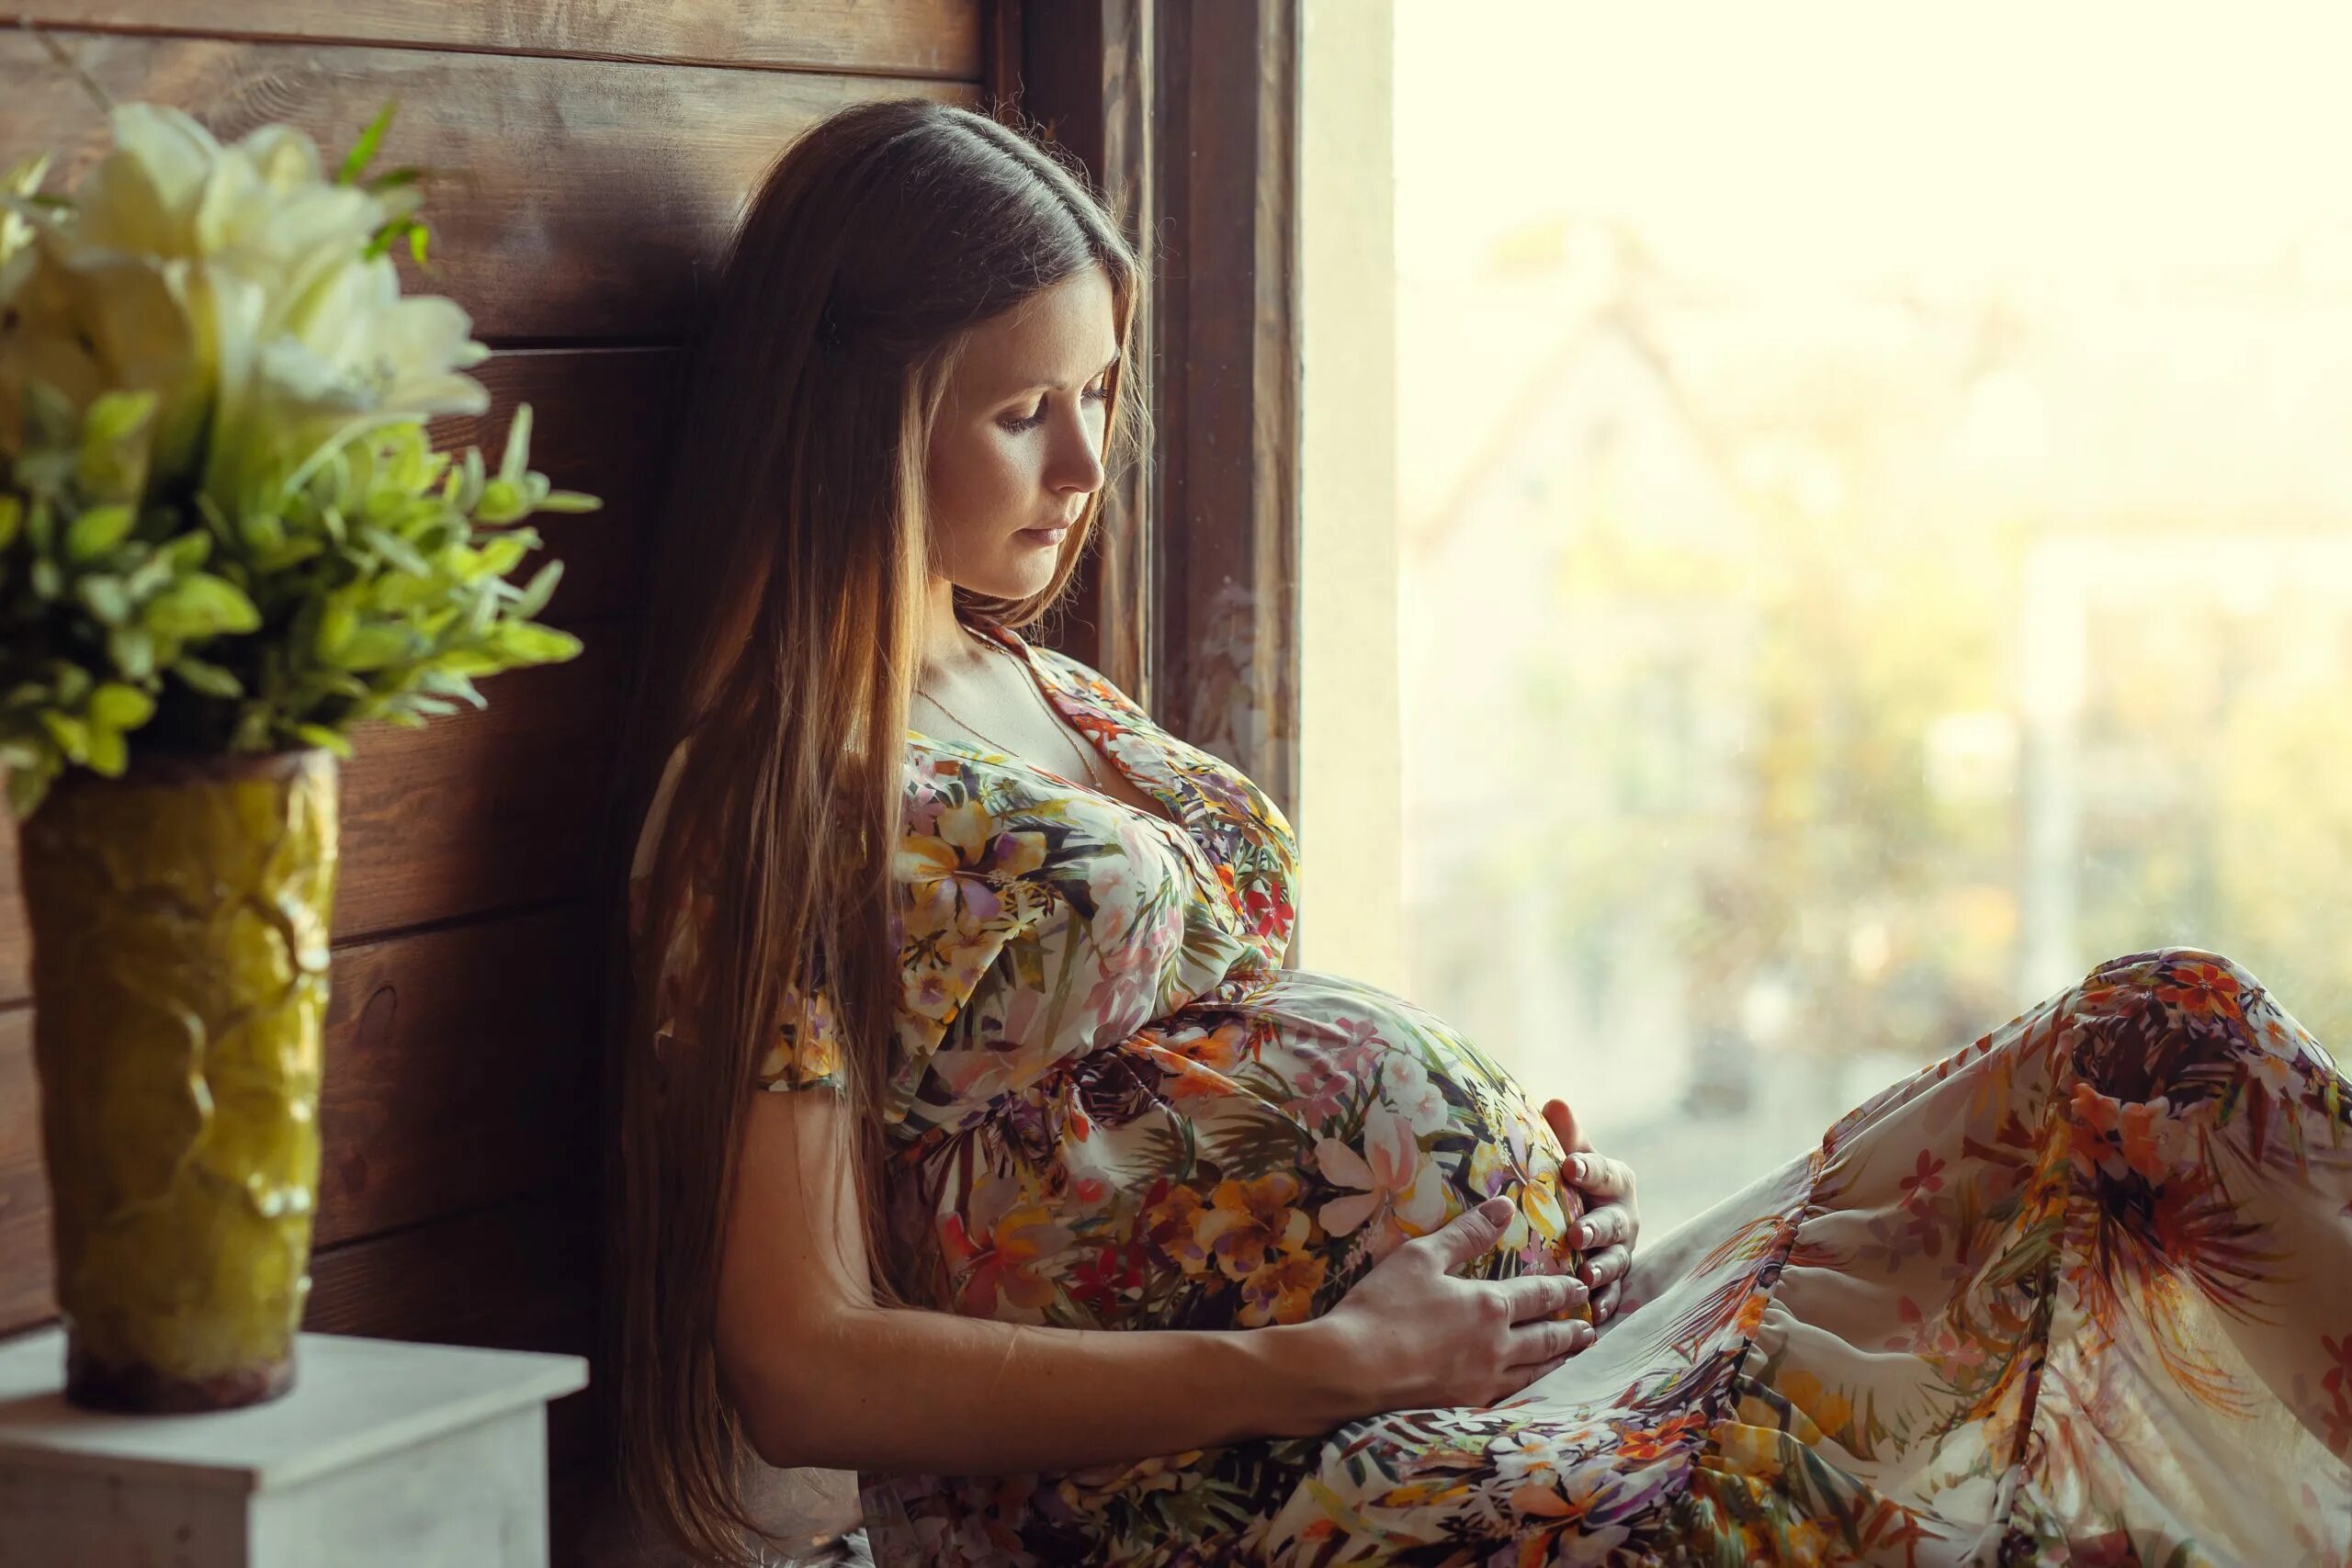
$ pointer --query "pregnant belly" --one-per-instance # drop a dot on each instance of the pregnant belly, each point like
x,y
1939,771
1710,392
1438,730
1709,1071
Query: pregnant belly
x,y
1243,1162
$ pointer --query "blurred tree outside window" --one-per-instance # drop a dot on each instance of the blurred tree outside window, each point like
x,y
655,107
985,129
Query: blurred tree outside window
x,y
1875,508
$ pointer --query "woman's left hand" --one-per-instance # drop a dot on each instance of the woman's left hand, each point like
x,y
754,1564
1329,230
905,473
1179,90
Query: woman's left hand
x,y
1605,1235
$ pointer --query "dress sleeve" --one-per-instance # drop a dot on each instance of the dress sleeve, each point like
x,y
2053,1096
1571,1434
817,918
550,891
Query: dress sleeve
x,y
803,1045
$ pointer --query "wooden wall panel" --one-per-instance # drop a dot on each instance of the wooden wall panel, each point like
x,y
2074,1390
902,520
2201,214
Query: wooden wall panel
x,y
582,197
600,423
484,810
590,161
455,1082
895,37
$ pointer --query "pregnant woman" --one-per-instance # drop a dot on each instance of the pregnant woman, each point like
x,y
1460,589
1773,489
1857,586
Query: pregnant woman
x,y
974,1138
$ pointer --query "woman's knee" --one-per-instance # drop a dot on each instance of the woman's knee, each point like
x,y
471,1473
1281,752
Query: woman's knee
x,y
2182,1024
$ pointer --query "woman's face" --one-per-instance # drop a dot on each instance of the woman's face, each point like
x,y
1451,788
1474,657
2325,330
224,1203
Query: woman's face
x,y
1018,446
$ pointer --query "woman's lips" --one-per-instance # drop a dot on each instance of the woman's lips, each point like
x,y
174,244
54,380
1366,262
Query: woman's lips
x,y
1050,534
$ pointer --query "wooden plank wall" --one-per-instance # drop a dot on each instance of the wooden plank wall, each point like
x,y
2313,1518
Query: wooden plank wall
x,y
595,158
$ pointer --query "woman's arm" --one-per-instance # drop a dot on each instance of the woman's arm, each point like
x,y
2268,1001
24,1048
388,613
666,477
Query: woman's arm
x,y
823,1376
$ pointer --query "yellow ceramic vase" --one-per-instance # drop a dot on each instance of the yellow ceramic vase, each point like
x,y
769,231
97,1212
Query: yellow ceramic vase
x,y
179,921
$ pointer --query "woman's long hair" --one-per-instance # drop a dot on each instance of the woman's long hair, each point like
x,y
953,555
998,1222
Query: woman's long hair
x,y
782,632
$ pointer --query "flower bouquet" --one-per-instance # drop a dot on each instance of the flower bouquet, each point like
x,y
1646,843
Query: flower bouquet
x,y
225,542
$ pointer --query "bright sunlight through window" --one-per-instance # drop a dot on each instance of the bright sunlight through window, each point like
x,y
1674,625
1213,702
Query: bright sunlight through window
x,y
1875,494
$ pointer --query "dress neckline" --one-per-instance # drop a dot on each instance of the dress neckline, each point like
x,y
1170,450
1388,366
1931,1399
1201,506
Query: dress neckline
x,y
1071,708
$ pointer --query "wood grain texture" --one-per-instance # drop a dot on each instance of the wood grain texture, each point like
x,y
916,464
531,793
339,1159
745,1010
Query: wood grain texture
x,y
1226,574
601,422
1083,83
26,1280
483,810
460,1077
577,201
516,1276
898,38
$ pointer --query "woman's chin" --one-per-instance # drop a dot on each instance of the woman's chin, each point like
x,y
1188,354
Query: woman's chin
x,y
1020,578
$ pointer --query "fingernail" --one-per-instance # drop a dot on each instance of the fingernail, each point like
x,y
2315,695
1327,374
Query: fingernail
x,y
1577,1165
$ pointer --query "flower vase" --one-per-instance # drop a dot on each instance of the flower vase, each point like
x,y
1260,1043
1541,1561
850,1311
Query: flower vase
x,y
179,917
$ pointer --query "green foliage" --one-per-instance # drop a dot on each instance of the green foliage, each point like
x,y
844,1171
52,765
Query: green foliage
x,y
356,575
375,589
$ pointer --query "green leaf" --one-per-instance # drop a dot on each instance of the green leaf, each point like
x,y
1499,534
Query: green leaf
x,y
395,549
201,604
473,662
337,622
263,533
320,735
504,552
535,597
569,500
106,597
72,736
529,644
12,519
97,531
107,754
372,647
363,151
116,416
502,501
118,707
209,679
48,582
518,459
149,575
132,648
451,683
189,551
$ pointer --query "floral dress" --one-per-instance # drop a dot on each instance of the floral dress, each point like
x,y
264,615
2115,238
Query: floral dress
x,y
2079,1293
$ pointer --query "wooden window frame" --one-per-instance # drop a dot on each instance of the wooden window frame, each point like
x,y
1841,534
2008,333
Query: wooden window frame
x,y
1187,117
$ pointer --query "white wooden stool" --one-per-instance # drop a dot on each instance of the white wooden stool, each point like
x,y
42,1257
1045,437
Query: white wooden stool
x,y
385,1453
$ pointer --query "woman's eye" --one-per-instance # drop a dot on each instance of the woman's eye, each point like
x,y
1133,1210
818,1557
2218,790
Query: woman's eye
x,y
1030,421
1099,392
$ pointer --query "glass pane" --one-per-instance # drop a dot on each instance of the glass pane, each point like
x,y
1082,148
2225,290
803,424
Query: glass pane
x,y
1877,536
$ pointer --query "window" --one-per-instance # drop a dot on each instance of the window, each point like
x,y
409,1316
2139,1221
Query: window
x,y
1874,534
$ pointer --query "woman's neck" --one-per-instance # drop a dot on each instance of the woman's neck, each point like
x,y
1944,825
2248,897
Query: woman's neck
x,y
948,651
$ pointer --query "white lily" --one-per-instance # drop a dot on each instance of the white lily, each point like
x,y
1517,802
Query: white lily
x,y
232,281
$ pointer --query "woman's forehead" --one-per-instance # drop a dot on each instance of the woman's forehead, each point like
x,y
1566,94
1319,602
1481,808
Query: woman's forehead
x,y
1061,336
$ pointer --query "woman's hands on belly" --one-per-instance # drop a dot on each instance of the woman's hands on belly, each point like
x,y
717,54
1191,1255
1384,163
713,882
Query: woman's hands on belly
x,y
1410,1335
1604,1236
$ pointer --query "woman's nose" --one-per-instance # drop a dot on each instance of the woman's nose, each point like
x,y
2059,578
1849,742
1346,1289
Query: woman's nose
x,y
1075,463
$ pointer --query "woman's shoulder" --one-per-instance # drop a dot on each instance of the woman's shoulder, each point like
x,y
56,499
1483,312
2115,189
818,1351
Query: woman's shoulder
x,y
1075,671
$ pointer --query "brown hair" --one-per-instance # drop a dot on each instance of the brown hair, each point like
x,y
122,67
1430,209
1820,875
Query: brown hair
x,y
782,632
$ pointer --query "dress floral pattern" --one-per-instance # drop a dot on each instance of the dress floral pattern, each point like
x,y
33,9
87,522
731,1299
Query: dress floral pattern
x,y
2079,1293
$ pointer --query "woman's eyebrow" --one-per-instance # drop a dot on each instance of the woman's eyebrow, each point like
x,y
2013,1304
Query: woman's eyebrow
x,y
1032,381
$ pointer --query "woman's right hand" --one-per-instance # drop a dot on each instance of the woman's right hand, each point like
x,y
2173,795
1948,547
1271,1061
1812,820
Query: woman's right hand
x,y
1410,1335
